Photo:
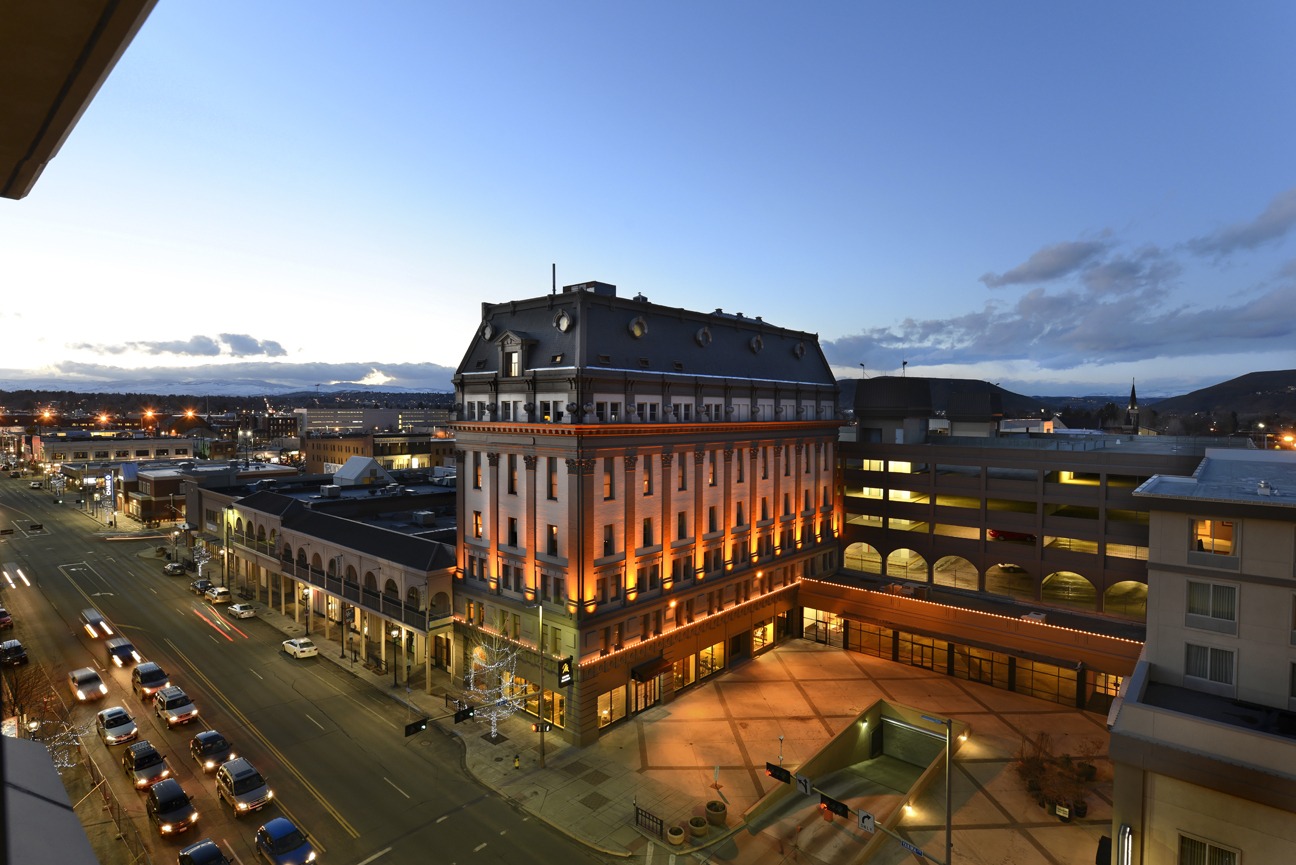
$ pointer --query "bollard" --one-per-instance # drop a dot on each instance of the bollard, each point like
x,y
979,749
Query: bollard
x,y
517,761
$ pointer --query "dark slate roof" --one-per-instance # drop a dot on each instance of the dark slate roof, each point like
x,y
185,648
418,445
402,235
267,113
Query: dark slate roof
x,y
893,396
411,551
602,336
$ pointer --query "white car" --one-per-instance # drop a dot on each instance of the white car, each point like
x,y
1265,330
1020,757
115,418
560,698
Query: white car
x,y
115,726
300,647
241,611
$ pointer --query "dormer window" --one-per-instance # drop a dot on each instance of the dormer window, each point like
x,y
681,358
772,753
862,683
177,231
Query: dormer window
x,y
512,363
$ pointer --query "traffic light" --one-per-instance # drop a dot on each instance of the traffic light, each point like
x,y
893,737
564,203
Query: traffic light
x,y
547,726
778,773
416,726
464,714
827,803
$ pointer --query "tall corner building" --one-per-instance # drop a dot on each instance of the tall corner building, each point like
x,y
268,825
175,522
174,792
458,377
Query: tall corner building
x,y
640,488
1203,735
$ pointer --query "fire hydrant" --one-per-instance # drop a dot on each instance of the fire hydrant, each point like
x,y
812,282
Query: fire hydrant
x,y
517,761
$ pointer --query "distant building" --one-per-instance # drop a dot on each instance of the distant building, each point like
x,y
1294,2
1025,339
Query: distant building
x,y
327,453
1203,737
356,419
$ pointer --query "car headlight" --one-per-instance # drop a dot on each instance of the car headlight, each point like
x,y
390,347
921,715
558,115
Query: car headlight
x,y
117,660
242,806
165,827
80,694
311,856
209,764
103,690
193,818
165,773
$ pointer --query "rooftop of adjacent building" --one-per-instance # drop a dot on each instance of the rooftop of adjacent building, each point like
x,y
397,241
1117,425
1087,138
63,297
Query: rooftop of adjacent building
x,y
1250,477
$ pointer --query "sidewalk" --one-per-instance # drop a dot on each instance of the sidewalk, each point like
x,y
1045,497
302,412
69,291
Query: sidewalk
x,y
713,741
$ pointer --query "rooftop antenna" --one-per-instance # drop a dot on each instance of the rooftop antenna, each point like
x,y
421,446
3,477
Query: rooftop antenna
x,y
553,276
863,372
903,364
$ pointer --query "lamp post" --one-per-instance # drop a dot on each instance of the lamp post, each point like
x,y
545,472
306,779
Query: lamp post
x,y
395,635
1265,434
175,546
949,732
539,605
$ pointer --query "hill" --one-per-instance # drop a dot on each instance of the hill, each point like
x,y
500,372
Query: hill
x,y
1254,395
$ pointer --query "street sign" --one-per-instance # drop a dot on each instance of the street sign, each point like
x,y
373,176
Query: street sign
x,y
866,821
803,784
911,848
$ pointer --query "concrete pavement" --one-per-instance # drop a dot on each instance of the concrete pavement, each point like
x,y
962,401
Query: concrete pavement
x,y
713,741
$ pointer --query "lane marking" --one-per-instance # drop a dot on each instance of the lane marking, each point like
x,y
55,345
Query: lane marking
x,y
394,787
443,817
479,847
383,852
313,721
286,764
255,673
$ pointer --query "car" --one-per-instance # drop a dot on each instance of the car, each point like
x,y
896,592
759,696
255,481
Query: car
x,y
211,749
174,706
217,595
15,474
300,647
6,620
35,485
95,624
242,787
240,611
205,852
173,569
282,843
169,807
144,765
12,653
1010,568
147,679
115,725
200,586
122,652
85,684
1001,535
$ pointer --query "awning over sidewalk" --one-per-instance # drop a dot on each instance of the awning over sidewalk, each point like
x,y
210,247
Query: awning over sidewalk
x,y
649,669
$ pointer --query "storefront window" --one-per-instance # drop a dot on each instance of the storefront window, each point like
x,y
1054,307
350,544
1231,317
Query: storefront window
x,y
685,672
1046,681
611,706
711,660
763,636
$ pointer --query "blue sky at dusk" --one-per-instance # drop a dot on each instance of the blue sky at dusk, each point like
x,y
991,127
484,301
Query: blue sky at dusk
x,y
1056,197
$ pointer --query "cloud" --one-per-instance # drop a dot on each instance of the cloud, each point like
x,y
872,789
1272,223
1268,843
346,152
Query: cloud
x,y
1277,220
1049,263
235,378
242,345
227,345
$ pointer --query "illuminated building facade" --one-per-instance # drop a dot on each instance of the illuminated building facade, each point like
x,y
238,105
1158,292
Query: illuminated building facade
x,y
640,488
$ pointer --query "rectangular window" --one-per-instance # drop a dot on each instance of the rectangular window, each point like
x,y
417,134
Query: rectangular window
x,y
512,532
477,524
506,410
787,504
1214,536
609,540
738,514
476,470
764,508
551,478
681,526
1196,851
1212,606
512,474
711,468
551,540
764,454
711,519
609,478
739,463
1209,664
647,475
683,471
787,462
647,532
512,364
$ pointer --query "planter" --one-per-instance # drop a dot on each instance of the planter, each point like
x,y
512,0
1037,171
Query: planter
x,y
1081,808
675,835
717,813
698,827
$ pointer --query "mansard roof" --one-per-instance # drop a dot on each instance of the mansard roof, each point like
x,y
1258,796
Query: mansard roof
x,y
588,328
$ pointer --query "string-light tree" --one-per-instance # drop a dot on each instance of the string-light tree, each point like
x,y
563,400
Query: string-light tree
x,y
201,556
491,685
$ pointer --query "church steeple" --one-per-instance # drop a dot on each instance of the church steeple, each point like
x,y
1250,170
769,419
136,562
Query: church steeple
x,y
1132,412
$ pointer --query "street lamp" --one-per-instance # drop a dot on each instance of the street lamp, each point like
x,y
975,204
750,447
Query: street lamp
x,y
1266,435
949,732
395,635
539,605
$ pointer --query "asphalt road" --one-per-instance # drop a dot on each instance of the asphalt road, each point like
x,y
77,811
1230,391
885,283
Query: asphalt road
x,y
332,748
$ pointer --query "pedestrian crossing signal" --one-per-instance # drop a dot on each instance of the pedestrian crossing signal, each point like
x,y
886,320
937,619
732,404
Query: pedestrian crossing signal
x,y
464,714
778,773
565,671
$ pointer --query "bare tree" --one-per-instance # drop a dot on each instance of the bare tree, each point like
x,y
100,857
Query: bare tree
x,y
491,684
29,696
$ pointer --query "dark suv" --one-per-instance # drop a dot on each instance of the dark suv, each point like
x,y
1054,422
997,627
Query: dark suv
x,y
144,765
211,749
170,808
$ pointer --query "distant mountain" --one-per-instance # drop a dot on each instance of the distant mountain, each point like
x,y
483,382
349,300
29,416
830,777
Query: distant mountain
x,y
1256,394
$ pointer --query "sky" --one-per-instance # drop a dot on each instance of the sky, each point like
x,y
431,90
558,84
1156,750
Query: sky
x,y
1059,198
